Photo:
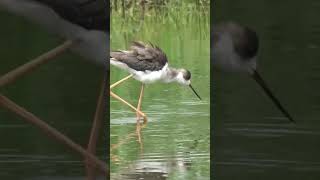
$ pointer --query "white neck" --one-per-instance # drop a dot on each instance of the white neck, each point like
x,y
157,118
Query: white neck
x,y
171,75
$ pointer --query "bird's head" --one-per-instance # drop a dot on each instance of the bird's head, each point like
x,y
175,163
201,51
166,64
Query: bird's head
x,y
184,78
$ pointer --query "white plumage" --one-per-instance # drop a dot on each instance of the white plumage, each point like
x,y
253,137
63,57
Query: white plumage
x,y
147,76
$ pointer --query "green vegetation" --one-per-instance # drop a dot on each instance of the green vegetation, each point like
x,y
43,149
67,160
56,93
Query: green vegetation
x,y
141,21
179,125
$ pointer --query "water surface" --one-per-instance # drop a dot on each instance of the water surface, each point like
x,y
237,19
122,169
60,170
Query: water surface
x,y
252,138
175,141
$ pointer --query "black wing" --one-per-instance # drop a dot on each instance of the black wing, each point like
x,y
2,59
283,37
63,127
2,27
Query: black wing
x,y
90,14
142,57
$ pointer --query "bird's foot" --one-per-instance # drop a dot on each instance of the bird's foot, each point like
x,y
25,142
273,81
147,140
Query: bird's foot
x,y
141,116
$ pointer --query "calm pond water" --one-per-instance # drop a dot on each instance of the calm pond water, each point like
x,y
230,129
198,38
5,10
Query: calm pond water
x,y
175,141
252,140
63,93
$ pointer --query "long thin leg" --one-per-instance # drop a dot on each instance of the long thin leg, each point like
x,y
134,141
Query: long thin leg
x,y
128,104
140,100
95,130
52,132
29,66
138,128
120,81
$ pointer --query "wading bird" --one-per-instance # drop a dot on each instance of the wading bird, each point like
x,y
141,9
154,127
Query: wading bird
x,y
147,63
235,49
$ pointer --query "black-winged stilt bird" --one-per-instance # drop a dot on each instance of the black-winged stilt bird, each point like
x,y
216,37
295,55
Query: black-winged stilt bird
x,y
147,63
235,49
84,26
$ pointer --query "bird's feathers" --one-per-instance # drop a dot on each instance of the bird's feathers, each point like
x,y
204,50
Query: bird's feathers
x,y
245,40
141,57
91,44
90,14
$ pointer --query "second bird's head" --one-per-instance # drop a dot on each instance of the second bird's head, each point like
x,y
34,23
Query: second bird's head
x,y
184,77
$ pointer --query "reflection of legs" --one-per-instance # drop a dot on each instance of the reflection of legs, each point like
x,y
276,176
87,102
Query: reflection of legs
x,y
29,66
120,81
138,115
128,104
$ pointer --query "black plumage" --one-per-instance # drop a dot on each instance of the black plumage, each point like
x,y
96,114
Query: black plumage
x,y
90,14
246,42
142,57
187,75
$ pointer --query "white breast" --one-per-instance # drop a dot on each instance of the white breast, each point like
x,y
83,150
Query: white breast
x,y
150,76
142,76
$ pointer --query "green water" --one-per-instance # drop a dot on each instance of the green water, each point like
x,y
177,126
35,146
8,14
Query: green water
x,y
176,141
62,92
252,138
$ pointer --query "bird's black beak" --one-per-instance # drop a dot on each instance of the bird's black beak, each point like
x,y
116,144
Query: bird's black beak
x,y
194,92
256,76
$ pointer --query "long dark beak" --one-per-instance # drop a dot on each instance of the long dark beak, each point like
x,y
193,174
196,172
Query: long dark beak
x,y
256,76
194,92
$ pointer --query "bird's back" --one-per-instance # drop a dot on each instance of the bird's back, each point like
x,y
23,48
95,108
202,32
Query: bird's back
x,y
90,14
140,57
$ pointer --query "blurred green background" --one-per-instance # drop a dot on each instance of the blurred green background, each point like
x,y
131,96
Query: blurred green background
x,y
252,139
176,139
62,92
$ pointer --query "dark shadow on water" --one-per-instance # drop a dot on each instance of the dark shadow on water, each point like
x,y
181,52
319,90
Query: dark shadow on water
x,y
152,170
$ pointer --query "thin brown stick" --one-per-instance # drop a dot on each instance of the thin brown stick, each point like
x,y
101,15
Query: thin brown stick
x,y
30,118
31,65
96,125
